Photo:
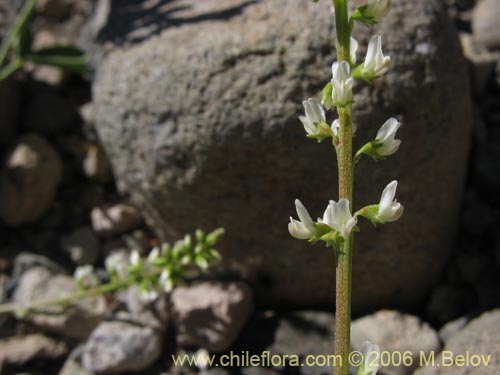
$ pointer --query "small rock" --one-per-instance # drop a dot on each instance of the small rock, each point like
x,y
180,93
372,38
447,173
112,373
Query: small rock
x,y
138,240
96,164
20,350
25,261
394,331
210,315
450,329
116,219
72,367
447,302
305,333
40,284
119,346
485,23
154,315
482,62
82,245
480,337
29,179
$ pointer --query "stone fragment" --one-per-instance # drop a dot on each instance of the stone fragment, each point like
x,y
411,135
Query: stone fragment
x,y
210,315
29,178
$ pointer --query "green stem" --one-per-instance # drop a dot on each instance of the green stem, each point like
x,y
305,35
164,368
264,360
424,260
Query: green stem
x,y
13,308
18,26
345,169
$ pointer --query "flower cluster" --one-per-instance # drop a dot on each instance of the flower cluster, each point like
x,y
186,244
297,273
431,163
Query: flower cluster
x,y
338,222
163,268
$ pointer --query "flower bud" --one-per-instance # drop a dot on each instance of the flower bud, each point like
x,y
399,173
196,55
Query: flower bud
x,y
371,357
85,277
389,209
303,229
376,9
385,137
376,64
342,83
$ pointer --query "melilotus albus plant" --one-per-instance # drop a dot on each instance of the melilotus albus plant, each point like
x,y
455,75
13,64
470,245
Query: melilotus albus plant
x,y
338,225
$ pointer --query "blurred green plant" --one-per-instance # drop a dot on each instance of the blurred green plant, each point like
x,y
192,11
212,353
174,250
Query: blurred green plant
x,y
16,49
165,267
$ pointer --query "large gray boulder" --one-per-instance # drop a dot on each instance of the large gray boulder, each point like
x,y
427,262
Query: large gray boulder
x,y
198,113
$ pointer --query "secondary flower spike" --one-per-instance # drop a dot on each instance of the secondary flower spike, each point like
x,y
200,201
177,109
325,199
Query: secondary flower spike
x,y
377,9
386,135
389,209
338,216
314,115
303,229
376,64
342,83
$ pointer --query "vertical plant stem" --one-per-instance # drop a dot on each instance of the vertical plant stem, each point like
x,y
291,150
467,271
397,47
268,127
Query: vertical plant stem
x,y
345,169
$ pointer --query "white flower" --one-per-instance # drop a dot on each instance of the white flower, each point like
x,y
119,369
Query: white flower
x,y
148,295
389,209
118,262
377,8
386,135
354,49
342,83
303,229
154,254
166,282
314,114
135,258
376,64
371,358
336,126
338,216
85,275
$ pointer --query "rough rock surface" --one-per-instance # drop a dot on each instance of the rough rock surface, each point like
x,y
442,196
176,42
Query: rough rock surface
x,y
20,350
480,337
305,333
118,346
29,178
210,315
199,115
40,284
485,23
396,332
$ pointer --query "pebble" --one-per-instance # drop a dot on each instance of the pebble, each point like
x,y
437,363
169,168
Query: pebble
x,y
117,219
210,315
29,178
394,331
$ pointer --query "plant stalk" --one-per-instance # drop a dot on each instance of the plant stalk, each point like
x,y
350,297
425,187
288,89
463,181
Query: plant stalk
x,y
345,184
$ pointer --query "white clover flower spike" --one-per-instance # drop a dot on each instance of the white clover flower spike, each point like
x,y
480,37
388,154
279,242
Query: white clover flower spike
x,y
386,135
376,64
338,216
371,356
389,209
377,8
342,83
314,114
303,229
354,48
